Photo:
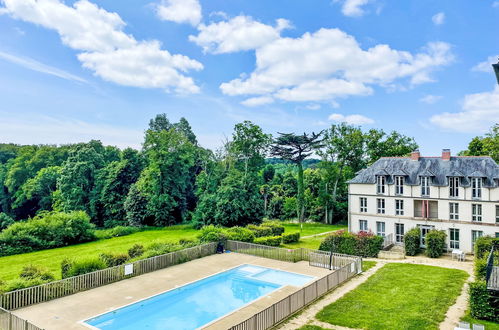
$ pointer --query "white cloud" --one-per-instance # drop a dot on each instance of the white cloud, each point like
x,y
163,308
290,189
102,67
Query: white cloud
x,y
180,11
238,34
351,119
257,101
438,19
330,64
495,4
479,112
31,64
353,8
430,99
36,129
486,66
112,54
313,106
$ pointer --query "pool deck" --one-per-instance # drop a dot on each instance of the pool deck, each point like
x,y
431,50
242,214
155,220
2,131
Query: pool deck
x,y
67,313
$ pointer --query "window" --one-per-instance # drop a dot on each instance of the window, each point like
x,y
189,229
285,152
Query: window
x,y
476,187
399,185
363,204
399,232
497,235
381,205
425,186
454,211
380,228
454,187
476,212
362,225
399,207
475,234
380,184
454,238
497,214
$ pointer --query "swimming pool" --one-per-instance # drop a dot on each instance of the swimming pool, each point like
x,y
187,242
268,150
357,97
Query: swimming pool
x,y
199,303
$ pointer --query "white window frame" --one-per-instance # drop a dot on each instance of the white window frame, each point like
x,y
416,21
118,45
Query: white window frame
x,y
380,228
380,184
363,225
475,234
425,186
399,185
476,212
476,188
380,203
399,207
453,211
453,242
454,187
363,204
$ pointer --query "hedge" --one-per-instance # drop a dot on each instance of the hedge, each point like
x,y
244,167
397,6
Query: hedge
x,y
363,244
483,245
112,260
241,234
290,238
261,231
71,268
269,240
435,243
412,241
136,251
484,304
46,231
277,228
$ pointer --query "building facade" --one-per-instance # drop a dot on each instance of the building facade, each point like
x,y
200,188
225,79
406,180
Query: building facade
x,y
459,195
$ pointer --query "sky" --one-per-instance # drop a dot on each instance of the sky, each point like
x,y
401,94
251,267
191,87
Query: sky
x,y
72,71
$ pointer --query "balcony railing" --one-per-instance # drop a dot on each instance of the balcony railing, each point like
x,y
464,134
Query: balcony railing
x,y
492,275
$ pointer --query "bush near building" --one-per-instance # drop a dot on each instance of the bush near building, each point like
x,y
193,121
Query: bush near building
x,y
363,244
269,240
412,241
435,243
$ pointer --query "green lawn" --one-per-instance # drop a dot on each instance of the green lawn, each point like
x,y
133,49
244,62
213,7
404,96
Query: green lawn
x,y
10,266
488,325
366,265
309,228
398,296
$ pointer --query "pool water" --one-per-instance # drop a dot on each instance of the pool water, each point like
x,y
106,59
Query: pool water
x,y
194,305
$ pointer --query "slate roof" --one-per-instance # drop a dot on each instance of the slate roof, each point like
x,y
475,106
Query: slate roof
x,y
439,170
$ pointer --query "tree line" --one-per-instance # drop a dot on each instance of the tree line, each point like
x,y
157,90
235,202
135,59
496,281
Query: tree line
x,y
172,179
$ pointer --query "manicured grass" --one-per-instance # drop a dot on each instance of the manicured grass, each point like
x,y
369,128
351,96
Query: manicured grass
x,y
311,228
309,243
488,325
311,327
398,296
10,266
366,265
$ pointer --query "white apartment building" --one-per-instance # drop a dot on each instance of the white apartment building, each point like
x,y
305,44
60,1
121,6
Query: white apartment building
x,y
459,195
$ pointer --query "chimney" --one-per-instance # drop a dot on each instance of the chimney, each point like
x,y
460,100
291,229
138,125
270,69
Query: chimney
x,y
415,155
445,154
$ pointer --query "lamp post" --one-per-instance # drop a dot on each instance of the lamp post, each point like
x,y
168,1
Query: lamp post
x,y
496,70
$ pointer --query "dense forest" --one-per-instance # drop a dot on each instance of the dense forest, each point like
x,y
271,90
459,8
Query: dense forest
x,y
174,180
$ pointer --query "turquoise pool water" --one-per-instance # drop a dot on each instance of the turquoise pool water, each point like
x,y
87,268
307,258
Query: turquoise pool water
x,y
194,305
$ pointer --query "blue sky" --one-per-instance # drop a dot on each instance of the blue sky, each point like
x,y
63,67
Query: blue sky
x,y
73,71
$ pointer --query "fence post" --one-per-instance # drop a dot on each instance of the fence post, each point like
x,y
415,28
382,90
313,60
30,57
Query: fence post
x,y
10,321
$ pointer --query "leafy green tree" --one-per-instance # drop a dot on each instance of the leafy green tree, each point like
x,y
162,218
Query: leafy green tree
x,y
487,145
297,148
379,144
136,208
5,221
42,187
249,145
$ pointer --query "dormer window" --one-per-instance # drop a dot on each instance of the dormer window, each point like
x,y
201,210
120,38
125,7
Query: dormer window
x,y
454,187
380,184
425,186
476,187
399,185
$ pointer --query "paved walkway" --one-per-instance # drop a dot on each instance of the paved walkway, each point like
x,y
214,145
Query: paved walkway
x,y
454,313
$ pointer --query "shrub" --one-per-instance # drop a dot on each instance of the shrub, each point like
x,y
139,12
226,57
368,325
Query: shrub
x,y
484,304
364,244
112,260
31,272
159,248
45,231
277,228
480,268
483,245
412,241
186,241
136,251
241,234
116,232
20,283
260,231
80,267
5,221
212,233
291,238
435,243
269,240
